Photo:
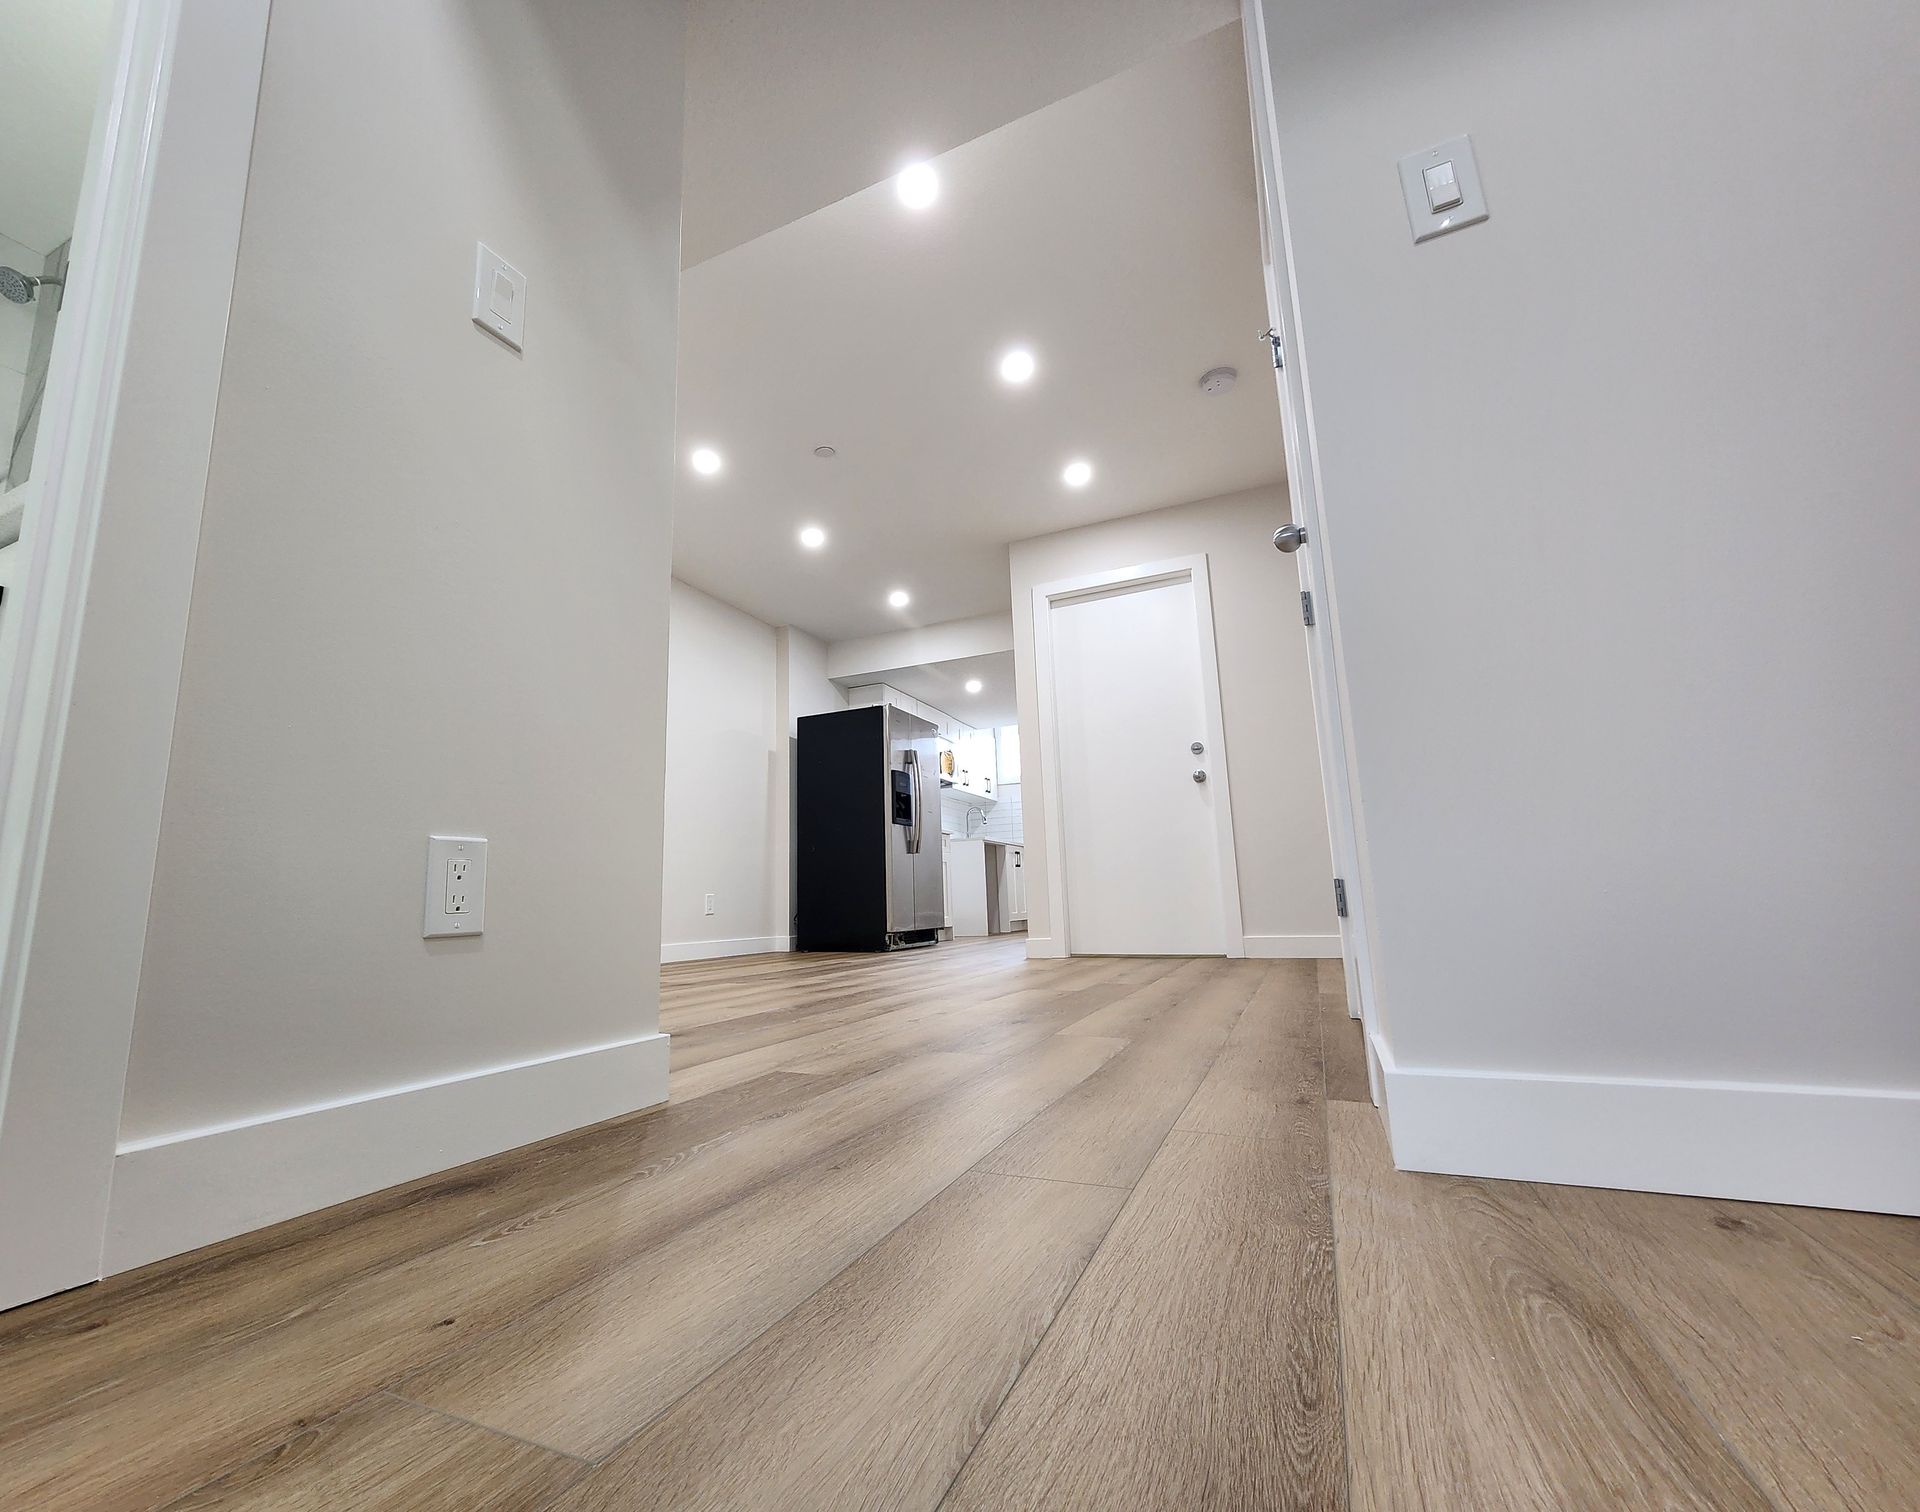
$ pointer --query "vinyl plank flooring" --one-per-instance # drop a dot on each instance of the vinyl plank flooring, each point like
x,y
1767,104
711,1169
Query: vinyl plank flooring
x,y
172,1424
810,1278
1809,1366
1107,1129
1879,1245
1343,1042
385,1455
1488,1366
1266,1083
588,1369
872,1393
145,1325
1196,1364
1143,1003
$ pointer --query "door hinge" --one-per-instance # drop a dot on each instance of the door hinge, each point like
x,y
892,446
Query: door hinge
x,y
1272,338
1306,608
1340,896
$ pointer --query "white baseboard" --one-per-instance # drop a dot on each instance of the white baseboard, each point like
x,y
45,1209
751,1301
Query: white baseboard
x,y
177,1192
1839,1147
1043,948
1293,947
713,950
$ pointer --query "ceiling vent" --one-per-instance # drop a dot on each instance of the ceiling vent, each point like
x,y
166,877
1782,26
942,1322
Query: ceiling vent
x,y
1217,380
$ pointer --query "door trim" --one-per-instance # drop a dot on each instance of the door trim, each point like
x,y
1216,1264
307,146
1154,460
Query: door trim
x,y
1189,569
1326,665
100,629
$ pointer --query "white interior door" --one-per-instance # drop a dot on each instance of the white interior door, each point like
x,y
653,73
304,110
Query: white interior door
x,y
1141,863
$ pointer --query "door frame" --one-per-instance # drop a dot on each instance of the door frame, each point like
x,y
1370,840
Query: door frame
x,y
1191,569
97,636
1346,830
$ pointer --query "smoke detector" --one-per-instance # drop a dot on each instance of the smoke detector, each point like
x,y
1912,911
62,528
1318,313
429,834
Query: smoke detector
x,y
1217,380
824,452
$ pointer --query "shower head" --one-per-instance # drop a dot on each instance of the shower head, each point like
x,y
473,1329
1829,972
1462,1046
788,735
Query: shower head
x,y
19,288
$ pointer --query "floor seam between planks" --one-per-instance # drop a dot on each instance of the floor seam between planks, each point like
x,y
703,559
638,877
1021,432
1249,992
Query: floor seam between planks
x,y
746,1344
518,1438
1105,1186
1067,1301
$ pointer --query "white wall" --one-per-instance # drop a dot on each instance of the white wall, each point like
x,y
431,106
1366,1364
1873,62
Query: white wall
x,y
1619,491
16,339
722,736
800,674
1279,816
431,595
950,640
1006,819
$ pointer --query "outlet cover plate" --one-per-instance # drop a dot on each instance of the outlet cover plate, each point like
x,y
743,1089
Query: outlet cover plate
x,y
456,901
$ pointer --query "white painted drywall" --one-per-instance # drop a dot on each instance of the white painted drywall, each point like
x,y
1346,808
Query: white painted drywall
x,y
54,61
722,739
793,104
1619,495
432,582
63,1107
1279,817
950,640
802,688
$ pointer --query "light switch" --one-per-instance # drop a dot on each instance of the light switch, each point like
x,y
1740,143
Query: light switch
x,y
499,296
503,302
1442,189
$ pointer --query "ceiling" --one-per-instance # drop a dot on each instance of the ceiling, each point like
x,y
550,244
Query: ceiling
x,y
944,685
52,62
1114,232
793,104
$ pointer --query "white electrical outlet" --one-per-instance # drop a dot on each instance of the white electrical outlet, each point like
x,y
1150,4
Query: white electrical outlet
x,y
456,886
709,902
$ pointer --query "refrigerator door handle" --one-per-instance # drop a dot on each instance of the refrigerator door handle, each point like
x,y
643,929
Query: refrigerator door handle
x,y
912,762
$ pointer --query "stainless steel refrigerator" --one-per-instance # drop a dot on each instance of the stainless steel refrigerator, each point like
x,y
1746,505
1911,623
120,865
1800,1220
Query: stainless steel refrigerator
x,y
867,869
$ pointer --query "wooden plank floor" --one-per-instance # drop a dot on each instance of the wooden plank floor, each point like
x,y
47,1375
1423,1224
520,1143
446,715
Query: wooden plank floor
x,y
957,1229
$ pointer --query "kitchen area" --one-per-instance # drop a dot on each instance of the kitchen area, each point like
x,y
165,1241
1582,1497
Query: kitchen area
x,y
954,779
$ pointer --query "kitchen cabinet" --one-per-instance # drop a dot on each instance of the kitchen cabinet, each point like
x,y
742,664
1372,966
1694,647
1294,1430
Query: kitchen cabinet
x,y
967,894
946,875
1006,887
973,762
1008,864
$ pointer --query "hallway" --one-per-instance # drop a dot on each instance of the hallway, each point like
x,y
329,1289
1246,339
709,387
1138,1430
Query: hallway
x,y
958,1228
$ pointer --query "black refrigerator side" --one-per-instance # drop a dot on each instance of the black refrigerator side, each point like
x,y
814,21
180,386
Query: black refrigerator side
x,y
841,831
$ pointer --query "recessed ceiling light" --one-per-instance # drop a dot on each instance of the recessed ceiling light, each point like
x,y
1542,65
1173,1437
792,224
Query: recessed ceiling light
x,y
899,598
705,460
824,452
812,537
1077,474
1017,365
917,185
974,685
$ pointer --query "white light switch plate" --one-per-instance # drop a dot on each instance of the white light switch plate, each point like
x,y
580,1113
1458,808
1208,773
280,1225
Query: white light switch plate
x,y
456,886
1426,222
499,296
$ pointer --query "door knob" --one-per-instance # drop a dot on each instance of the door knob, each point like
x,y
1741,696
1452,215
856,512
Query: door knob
x,y
1198,775
1290,538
